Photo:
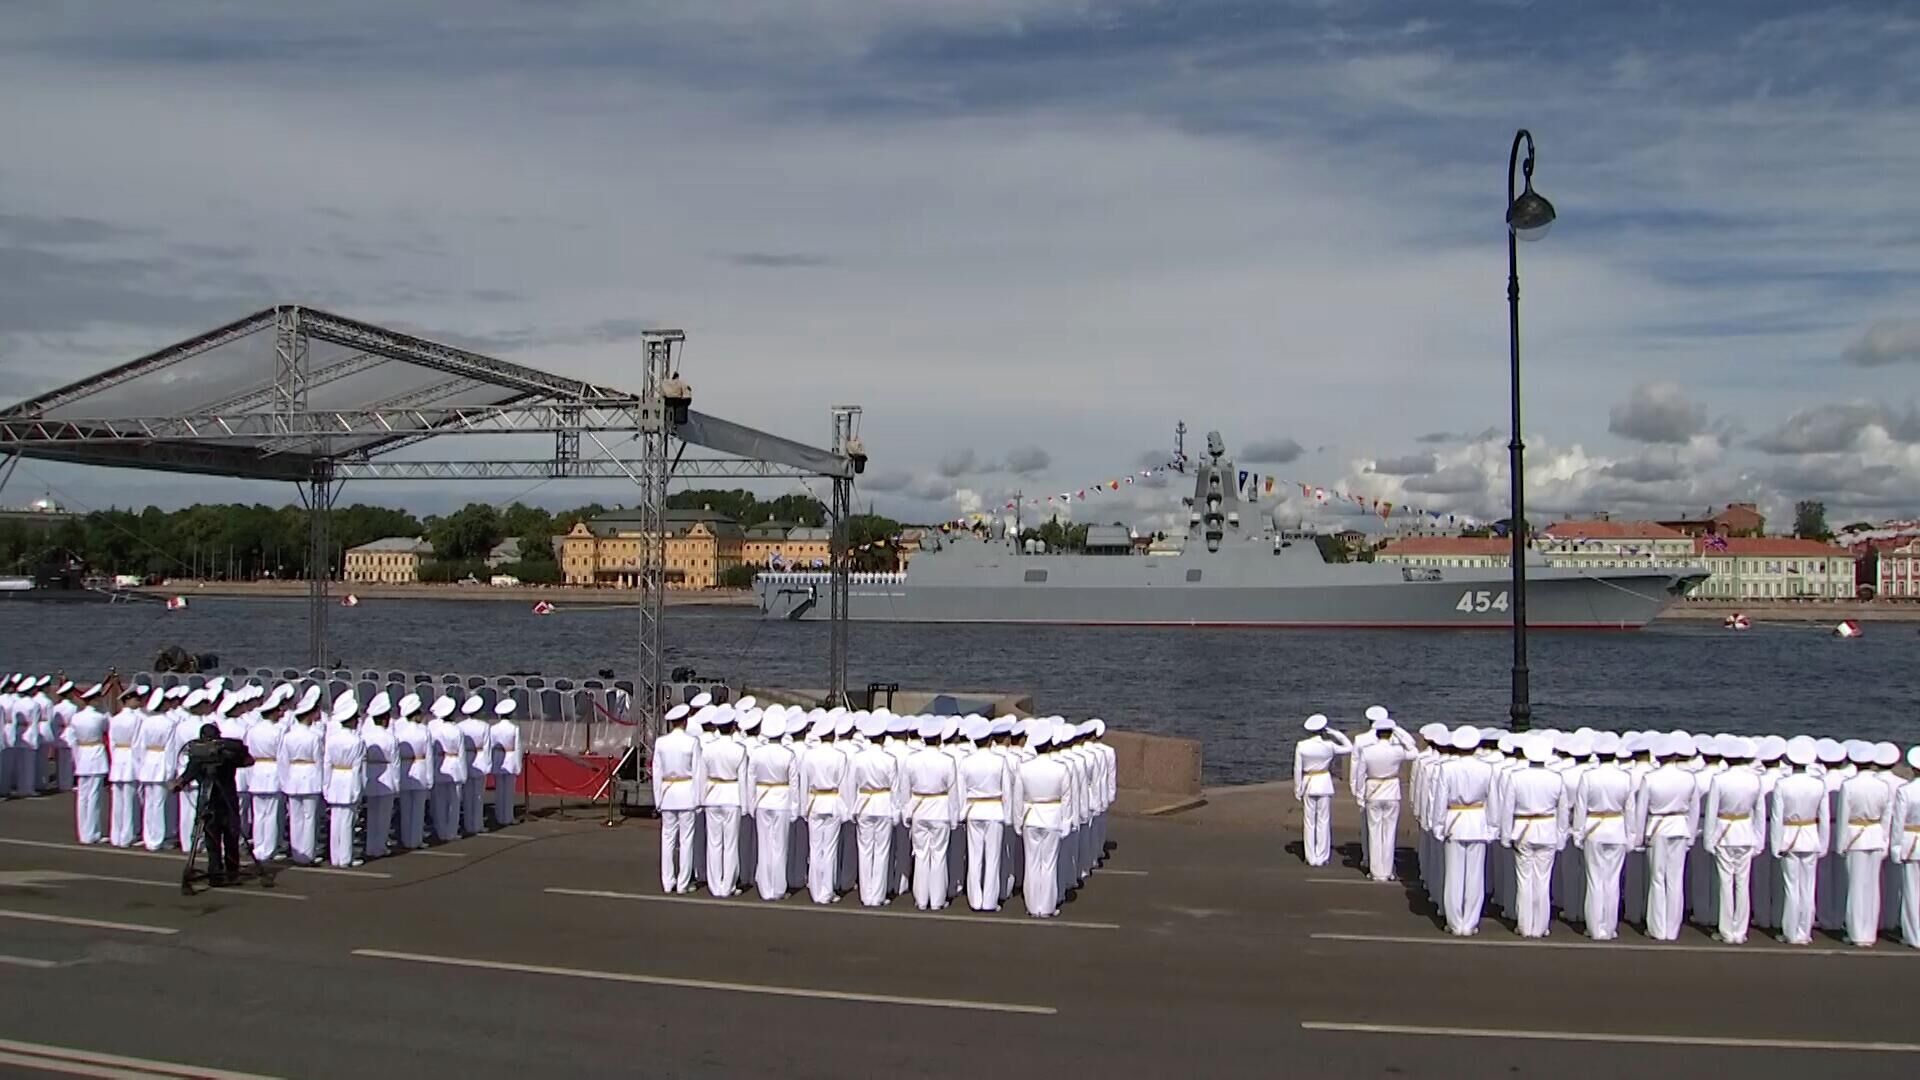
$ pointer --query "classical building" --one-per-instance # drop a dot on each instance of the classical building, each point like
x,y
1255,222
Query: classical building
x,y
700,546
394,560
792,547
1738,519
1774,568
1601,542
1896,573
1450,551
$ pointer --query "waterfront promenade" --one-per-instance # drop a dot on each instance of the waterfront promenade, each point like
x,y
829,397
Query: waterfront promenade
x,y
1205,948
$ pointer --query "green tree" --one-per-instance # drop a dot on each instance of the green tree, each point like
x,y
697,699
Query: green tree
x,y
1810,520
468,533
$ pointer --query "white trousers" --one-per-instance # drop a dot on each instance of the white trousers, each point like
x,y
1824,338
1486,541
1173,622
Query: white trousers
x,y
957,860
303,824
340,833
154,805
266,825
775,827
1702,896
1533,888
63,777
930,864
446,811
1466,885
1383,830
473,796
723,849
1666,886
1799,879
189,799
413,816
874,838
1735,906
1910,903
126,813
983,864
676,850
90,807
379,823
1863,896
1039,887
823,857
503,792
1318,829
1604,862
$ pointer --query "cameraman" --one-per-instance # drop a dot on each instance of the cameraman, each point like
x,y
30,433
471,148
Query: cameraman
x,y
211,762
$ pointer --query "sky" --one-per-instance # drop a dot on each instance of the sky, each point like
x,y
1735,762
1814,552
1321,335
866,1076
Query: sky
x,y
1026,236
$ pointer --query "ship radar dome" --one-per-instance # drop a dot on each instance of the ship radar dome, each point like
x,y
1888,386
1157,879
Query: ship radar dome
x,y
1287,517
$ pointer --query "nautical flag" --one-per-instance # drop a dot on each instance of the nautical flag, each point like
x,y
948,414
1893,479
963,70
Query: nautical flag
x,y
1386,508
1716,542
1114,485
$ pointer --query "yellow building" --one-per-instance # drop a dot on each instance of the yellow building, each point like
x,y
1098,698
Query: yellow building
x,y
700,546
393,561
793,547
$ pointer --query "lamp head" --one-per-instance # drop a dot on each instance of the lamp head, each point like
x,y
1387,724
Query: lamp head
x,y
1531,215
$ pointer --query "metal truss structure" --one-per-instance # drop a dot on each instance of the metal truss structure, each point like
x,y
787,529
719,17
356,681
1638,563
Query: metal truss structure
x,y
335,398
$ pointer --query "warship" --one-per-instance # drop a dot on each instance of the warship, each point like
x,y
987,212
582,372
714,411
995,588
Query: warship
x,y
1239,565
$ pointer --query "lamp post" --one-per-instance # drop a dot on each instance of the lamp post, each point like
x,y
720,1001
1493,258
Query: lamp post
x,y
1528,216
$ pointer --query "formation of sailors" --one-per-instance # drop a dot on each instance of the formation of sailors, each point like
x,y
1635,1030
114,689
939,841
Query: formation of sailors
x,y
1729,831
381,765
889,805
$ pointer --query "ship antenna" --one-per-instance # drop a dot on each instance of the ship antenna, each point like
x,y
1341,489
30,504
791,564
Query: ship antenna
x,y
1180,445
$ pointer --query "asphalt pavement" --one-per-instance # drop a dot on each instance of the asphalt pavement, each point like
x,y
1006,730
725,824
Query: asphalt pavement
x,y
1204,948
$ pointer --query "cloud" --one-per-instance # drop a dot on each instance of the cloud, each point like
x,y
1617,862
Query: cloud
x,y
1646,469
1833,428
1452,480
887,480
778,260
1657,412
1433,437
1273,451
1405,465
1886,343
1027,460
930,488
956,463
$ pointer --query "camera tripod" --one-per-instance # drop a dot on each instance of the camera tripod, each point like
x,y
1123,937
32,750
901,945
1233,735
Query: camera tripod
x,y
187,874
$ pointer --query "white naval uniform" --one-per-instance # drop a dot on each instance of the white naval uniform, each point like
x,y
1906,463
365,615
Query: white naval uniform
x,y
24,720
1703,897
55,720
1459,808
879,794
1830,911
1533,821
1861,836
156,732
1906,856
85,740
123,776
826,792
1045,798
724,760
1730,828
774,770
1799,833
414,747
381,777
676,795
504,744
988,800
344,785
7,702
1313,789
302,753
449,779
1665,817
186,728
1376,784
476,745
1764,875
1600,827
263,785
933,805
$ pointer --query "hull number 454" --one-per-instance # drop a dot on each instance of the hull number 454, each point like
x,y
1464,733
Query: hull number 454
x,y
1481,601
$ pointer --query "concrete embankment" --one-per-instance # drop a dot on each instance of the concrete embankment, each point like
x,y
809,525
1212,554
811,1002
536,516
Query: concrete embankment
x,y
559,596
1789,611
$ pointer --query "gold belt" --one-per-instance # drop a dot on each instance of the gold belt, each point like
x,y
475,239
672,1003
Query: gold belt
x,y
1314,772
1467,806
825,790
1861,823
300,761
1801,823
1914,828
1533,817
1733,817
88,742
768,785
1056,802
876,791
680,780
343,768
984,798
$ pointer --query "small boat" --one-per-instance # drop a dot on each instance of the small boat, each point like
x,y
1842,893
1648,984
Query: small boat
x,y
1737,621
1847,629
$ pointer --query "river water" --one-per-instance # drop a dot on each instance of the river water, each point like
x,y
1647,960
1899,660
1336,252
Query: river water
x,y
1243,693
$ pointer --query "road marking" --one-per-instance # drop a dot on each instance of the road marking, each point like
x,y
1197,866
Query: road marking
x,y
1347,881
97,924
171,855
703,984
823,909
1614,1037
1350,911
63,1059
435,854
498,836
1615,946
28,962
54,879
1120,873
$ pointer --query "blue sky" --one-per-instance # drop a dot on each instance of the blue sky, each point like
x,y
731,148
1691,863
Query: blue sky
x,y
1028,235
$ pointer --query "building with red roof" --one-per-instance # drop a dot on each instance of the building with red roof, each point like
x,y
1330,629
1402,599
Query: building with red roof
x,y
1774,568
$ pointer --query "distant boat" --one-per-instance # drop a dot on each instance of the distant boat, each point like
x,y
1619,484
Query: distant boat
x,y
62,585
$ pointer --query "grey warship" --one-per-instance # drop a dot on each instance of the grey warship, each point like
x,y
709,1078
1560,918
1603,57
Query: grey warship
x,y
1238,567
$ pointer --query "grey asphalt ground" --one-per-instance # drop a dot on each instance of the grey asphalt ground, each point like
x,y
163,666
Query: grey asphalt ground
x,y
1205,949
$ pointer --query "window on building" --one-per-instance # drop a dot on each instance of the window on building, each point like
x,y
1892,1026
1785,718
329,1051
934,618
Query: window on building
x,y
1193,575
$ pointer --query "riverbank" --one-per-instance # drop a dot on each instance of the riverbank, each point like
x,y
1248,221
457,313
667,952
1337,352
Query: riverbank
x,y
557,595
1790,611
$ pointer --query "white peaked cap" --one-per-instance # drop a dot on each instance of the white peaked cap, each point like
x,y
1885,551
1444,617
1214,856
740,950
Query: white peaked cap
x,y
1316,722
721,714
701,700
1562,742
178,690
843,724
409,704
158,699
1432,732
1886,755
93,691
1001,726
1913,757
309,697
772,710
65,685
773,724
1604,742
1580,743
1860,751
1802,750
227,702
443,707
1770,747
949,726
1829,751
505,706
929,727
870,725
1538,749
745,703
1099,727
977,728
1466,737
678,712
1379,717
749,719
1679,745
381,705
194,699
344,706
1706,744
279,694
218,682
899,725
472,705
820,727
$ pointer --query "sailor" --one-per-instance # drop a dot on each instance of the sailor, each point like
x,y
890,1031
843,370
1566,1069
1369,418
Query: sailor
x,y
1702,891
413,748
24,721
345,755
1830,908
301,782
954,744
724,761
234,718
380,763
7,700
263,780
677,781
475,749
150,752
1569,867
450,774
1433,739
84,739
1731,833
1862,826
1460,798
1906,850
878,800
64,704
1313,785
903,739
1633,888
1599,827
1534,824
1376,784
933,805
1770,765
187,718
1799,834
1044,812
774,771
1664,816
1886,758
826,786
123,770
1501,750
988,800
504,743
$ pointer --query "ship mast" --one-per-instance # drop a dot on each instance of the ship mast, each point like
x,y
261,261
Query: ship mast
x,y
1180,445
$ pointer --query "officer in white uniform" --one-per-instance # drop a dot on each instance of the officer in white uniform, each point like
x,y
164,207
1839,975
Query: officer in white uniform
x,y
1731,829
989,799
773,770
1534,823
1313,785
263,780
933,805
723,762
1460,794
155,735
677,779
65,704
1800,831
1906,850
345,754
504,740
85,740
826,784
879,801
413,746
476,747
450,773
123,768
381,776
1665,815
1045,798
1376,786
1599,826
302,751
1864,822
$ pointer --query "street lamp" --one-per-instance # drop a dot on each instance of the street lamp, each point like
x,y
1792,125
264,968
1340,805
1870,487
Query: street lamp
x,y
1528,217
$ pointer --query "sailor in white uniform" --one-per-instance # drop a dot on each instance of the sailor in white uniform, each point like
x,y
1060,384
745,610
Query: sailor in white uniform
x,y
677,779
1732,829
1906,850
773,772
64,703
263,782
1313,763
504,742
85,741
1666,815
1599,826
933,805
1044,813
475,748
302,752
381,776
988,800
1534,824
1770,765
413,745
450,774
724,761
123,769
1375,774
826,785
345,782
1460,794
1830,908
156,734
1863,824
879,799
1799,837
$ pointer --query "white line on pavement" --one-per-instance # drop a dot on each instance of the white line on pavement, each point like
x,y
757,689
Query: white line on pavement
x,y
498,836
1616,946
171,855
1346,881
434,854
746,904
703,984
265,894
28,962
87,1063
1614,1037
97,924
1119,873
